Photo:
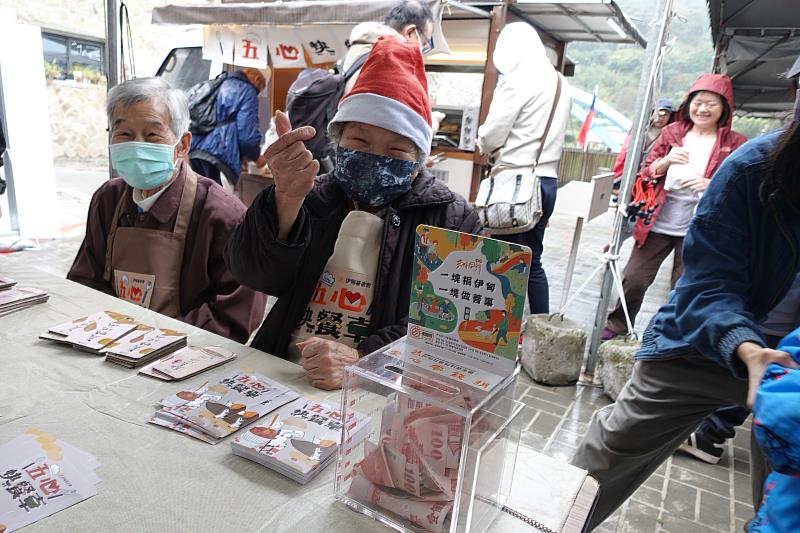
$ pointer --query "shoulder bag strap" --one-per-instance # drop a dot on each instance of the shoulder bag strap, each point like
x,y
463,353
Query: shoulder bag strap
x,y
549,119
357,64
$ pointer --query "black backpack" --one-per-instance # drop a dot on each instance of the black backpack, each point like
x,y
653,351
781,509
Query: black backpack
x,y
312,100
202,105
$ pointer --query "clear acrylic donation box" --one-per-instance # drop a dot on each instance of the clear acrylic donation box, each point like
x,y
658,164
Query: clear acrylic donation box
x,y
444,432
439,455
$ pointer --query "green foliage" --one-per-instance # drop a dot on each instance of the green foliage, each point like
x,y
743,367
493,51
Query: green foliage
x,y
52,70
617,68
753,127
90,74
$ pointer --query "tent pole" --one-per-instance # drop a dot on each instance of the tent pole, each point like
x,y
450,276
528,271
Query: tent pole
x,y
112,43
644,100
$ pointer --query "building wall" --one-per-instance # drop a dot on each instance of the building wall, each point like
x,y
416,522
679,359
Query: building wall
x,y
78,120
77,110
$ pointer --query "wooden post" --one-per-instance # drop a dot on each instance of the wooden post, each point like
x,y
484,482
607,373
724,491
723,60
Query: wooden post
x,y
498,21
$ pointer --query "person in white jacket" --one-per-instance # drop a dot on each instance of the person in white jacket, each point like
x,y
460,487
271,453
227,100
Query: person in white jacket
x,y
513,130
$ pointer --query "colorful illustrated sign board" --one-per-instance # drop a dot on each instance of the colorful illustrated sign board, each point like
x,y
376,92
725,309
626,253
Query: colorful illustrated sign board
x,y
467,298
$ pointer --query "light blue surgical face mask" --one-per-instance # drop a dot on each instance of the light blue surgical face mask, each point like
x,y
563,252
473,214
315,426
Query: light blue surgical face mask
x,y
143,165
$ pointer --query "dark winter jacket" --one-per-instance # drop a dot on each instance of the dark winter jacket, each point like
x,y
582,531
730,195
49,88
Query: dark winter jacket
x,y
673,134
236,134
291,270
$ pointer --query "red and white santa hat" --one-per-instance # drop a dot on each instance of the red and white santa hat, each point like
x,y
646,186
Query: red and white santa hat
x,y
391,92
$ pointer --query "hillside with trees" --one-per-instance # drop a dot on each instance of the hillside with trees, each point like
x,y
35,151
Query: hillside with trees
x,y
617,68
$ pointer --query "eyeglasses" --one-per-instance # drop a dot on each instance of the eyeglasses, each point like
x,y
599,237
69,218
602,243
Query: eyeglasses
x,y
697,104
425,45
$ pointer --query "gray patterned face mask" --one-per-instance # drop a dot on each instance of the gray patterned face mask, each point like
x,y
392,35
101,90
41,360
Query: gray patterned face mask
x,y
373,180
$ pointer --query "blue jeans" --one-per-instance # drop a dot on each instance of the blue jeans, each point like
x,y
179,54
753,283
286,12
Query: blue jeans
x,y
538,289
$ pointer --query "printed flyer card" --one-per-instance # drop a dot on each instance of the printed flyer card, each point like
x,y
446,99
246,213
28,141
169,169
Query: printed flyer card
x,y
188,362
298,440
224,407
39,476
92,322
144,344
467,298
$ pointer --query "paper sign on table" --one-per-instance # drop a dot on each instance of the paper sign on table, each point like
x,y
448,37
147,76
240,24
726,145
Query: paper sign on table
x,y
40,476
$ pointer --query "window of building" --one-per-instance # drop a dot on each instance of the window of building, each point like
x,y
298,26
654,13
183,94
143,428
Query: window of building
x,y
70,58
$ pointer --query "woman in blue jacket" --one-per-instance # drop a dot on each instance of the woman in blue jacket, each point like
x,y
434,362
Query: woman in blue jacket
x,y
708,347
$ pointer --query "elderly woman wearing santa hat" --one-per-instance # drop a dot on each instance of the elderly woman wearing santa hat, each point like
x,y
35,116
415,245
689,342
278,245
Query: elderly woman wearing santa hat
x,y
337,250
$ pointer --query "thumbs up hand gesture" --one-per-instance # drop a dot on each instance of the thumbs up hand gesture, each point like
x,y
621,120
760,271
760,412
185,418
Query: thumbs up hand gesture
x,y
293,169
293,166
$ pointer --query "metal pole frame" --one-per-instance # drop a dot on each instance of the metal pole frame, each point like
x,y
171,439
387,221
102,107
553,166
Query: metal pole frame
x,y
112,56
8,165
647,83
112,43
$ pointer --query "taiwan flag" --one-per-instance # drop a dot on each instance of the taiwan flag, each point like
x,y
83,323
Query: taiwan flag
x,y
587,123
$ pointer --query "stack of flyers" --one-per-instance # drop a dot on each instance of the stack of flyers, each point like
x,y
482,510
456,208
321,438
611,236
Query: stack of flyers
x,y
40,476
187,362
144,344
6,283
16,298
212,412
92,333
299,440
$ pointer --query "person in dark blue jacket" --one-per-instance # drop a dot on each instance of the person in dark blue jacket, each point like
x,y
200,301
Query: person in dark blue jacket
x,y
708,347
236,136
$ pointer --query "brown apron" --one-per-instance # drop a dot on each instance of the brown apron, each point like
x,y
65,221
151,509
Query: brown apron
x,y
146,263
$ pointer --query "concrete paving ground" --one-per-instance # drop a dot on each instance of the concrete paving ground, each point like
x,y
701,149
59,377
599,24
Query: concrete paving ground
x,y
684,495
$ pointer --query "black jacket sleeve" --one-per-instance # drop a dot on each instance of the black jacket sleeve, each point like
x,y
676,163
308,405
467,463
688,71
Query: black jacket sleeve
x,y
384,336
254,255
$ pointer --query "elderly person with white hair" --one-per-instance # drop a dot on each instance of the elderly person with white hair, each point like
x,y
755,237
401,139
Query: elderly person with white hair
x,y
156,235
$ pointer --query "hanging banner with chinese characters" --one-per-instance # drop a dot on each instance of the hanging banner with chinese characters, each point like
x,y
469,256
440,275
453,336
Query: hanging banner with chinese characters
x,y
286,48
217,43
324,44
243,46
467,299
